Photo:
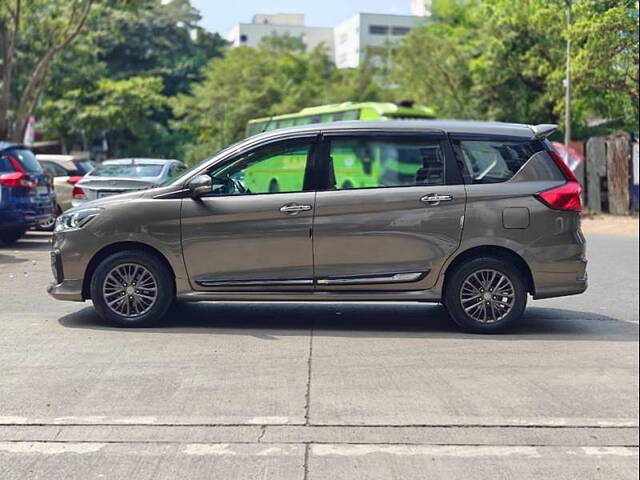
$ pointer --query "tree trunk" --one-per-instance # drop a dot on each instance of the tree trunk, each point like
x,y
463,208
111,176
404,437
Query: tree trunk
x,y
8,37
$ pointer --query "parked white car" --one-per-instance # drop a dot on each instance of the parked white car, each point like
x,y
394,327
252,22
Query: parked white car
x,y
66,171
112,177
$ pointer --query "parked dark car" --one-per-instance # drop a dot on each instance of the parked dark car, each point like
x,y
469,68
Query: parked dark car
x,y
26,192
475,215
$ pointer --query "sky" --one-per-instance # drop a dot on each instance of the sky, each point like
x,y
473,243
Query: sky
x,y
220,16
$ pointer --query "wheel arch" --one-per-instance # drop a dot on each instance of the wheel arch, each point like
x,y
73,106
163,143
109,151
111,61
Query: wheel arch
x,y
496,252
115,248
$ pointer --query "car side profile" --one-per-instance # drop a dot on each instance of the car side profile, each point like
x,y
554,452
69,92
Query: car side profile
x,y
475,215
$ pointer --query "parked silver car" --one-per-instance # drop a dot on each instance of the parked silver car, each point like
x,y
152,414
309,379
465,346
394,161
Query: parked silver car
x,y
474,215
124,175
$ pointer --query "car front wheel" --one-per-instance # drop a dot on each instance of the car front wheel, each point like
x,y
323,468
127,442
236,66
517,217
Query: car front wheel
x,y
485,295
132,289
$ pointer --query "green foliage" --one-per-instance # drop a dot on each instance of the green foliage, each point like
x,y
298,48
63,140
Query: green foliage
x,y
112,106
505,60
156,50
246,83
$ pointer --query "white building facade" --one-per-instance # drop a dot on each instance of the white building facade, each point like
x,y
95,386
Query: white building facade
x,y
370,32
281,24
348,43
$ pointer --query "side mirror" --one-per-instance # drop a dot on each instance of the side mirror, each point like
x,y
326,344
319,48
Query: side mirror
x,y
200,186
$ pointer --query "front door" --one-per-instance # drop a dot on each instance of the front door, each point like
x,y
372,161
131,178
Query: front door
x,y
253,231
390,212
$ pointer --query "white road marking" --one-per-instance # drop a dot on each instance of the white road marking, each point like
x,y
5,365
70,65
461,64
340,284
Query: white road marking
x,y
431,450
49,448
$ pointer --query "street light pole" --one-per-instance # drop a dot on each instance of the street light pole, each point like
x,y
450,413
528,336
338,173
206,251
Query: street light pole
x,y
567,97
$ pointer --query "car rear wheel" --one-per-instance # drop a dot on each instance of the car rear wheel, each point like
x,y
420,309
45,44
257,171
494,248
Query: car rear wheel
x,y
132,289
49,224
485,295
7,237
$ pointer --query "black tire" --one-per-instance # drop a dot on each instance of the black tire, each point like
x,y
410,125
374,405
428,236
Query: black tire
x,y
274,187
347,185
7,237
52,225
502,318
160,273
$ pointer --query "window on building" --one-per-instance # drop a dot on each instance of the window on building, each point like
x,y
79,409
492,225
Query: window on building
x,y
399,30
344,37
378,29
243,38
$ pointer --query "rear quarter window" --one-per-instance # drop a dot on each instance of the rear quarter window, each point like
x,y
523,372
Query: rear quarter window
x,y
5,165
494,161
27,160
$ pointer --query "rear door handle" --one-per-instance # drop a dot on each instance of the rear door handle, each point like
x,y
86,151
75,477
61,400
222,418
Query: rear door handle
x,y
293,208
435,198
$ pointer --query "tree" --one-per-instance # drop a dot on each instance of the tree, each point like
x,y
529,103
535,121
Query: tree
x,y
605,65
505,60
159,40
49,26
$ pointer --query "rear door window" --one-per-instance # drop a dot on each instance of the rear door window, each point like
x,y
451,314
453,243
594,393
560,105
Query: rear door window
x,y
374,162
494,161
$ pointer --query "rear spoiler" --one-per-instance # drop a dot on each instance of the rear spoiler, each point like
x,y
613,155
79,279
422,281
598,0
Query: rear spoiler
x,y
543,130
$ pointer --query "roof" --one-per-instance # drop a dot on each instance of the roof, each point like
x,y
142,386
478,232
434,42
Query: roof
x,y
442,126
8,145
139,161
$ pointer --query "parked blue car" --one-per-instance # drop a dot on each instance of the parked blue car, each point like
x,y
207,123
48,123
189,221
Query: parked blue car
x,y
26,192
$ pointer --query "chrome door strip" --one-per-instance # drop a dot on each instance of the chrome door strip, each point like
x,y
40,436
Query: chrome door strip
x,y
403,277
254,283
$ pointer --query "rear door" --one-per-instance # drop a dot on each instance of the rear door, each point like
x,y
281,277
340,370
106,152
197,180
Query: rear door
x,y
389,211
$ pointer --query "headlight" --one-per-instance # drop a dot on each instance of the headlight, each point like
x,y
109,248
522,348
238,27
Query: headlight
x,y
76,219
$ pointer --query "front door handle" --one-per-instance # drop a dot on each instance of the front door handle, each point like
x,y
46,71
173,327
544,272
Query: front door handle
x,y
294,208
436,198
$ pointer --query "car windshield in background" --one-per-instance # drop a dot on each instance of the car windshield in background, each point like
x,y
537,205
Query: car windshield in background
x,y
127,171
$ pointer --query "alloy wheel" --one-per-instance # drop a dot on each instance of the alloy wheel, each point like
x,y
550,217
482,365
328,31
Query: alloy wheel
x,y
130,290
487,296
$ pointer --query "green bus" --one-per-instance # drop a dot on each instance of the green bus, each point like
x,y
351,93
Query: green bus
x,y
355,166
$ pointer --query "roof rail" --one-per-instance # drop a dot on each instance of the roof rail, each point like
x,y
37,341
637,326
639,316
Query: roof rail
x,y
543,130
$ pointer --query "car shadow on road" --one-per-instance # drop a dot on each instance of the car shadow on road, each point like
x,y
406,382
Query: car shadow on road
x,y
31,241
273,320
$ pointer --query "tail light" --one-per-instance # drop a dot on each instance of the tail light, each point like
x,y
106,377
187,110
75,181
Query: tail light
x,y
17,179
78,193
564,197
74,180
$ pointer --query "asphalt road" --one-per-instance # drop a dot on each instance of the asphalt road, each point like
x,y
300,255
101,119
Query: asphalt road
x,y
319,391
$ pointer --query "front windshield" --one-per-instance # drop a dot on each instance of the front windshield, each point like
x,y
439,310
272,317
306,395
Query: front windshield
x,y
126,171
193,168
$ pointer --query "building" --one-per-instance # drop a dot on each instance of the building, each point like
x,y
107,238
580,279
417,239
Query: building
x,y
264,25
347,43
370,32
421,8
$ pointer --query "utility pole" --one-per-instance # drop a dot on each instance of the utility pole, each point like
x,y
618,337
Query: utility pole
x,y
567,83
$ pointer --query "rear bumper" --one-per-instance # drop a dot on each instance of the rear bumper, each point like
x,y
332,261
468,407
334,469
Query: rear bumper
x,y
561,284
24,217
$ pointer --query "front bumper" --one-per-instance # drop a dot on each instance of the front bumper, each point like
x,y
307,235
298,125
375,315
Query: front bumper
x,y
62,289
70,290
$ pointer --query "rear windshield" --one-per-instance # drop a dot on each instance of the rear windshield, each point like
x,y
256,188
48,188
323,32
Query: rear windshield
x,y
494,161
24,157
83,166
126,171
